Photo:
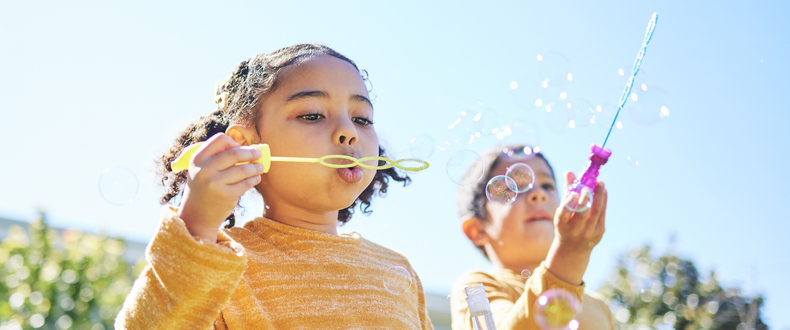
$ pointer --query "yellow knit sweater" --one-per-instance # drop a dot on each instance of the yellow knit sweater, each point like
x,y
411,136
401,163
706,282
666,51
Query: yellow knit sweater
x,y
269,275
512,300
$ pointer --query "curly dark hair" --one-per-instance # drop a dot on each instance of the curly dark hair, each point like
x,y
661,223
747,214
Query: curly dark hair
x,y
251,80
471,199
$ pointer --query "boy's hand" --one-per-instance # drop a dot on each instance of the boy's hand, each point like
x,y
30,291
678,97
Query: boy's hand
x,y
576,233
215,183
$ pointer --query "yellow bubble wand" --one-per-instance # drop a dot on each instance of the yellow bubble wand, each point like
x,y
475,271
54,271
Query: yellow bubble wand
x,y
182,162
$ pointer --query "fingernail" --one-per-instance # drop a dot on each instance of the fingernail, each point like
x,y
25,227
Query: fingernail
x,y
259,167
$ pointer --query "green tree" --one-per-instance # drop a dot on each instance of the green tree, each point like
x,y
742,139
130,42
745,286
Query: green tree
x,y
69,281
667,292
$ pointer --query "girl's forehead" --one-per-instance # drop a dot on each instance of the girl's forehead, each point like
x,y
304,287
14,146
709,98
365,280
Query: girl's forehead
x,y
320,70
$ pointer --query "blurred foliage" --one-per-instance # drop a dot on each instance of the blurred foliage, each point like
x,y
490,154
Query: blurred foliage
x,y
68,281
668,292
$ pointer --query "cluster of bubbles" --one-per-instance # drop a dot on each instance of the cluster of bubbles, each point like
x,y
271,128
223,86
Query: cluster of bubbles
x,y
397,280
118,185
504,189
556,309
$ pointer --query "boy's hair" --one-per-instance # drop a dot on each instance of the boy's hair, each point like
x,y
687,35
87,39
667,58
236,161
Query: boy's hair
x,y
251,80
471,199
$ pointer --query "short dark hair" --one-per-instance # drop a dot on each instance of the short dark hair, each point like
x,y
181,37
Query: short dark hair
x,y
471,199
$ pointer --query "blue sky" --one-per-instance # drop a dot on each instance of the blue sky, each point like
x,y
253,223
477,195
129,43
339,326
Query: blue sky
x,y
89,85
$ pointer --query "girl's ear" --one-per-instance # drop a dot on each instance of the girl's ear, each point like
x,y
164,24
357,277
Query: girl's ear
x,y
242,135
475,231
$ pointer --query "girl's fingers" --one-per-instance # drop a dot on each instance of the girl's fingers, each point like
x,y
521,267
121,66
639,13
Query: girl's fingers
x,y
239,173
569,178
230,157
239,188
602,219
213,146
564,214
598,203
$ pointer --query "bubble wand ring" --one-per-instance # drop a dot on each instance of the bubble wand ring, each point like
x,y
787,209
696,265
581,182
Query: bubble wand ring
x,y
182,162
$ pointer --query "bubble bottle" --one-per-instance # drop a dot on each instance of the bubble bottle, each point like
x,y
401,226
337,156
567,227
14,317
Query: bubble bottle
x,y
476,299
598,156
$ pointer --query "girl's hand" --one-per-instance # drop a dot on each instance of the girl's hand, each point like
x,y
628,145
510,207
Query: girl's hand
x,y
576,233
215,183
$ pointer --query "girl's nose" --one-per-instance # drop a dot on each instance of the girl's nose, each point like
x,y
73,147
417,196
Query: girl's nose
x,y
346,133
536,195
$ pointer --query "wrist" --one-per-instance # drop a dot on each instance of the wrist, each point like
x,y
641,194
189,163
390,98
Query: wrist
x,y
195,226
568,264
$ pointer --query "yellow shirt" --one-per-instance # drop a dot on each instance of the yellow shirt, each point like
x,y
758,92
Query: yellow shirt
x,y
512,300
269,275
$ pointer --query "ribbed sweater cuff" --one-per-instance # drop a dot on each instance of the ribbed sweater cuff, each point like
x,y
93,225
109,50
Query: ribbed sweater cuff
x,y
550,281
176,252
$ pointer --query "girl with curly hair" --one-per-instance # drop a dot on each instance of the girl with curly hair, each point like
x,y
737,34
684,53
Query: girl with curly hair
x,y
288,268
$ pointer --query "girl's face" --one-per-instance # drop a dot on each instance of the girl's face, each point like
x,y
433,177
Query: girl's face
x,y
319,107
521,232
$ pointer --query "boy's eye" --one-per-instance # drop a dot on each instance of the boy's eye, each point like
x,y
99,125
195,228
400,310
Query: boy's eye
x,y
311,117
362,121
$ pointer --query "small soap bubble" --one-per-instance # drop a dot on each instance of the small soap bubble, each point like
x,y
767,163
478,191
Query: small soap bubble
x,y
118,185
513,85
526,273
489,121
556,116
632,161
398,280
649,107
525,131
581,112
604,115
522,175
462,161
501,189
575,205
556,309
449,299
554,68
421,146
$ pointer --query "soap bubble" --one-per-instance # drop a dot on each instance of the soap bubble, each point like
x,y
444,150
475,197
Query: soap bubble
x,y
501,189
581,112
555,309
462,161
118,185
553,68
449,299
556,115
574,205
421,146
526,273
524,131
632,161
489,121
604,115
649,106
398,280
462,131
522,175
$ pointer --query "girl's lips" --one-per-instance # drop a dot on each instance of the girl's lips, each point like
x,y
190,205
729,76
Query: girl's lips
x,y
350,175
539,216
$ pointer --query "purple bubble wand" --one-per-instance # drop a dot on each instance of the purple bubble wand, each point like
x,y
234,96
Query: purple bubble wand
x,y
598,154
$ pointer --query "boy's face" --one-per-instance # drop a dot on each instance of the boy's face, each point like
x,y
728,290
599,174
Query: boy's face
x,y
320,107
521,233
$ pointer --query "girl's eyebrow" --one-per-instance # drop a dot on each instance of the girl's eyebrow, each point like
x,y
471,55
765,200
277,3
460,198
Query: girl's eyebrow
x,y
324,95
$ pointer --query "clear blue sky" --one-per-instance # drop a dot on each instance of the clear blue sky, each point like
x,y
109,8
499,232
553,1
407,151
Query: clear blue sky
x,y
90,85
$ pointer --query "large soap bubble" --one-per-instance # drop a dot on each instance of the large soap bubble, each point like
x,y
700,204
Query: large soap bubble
x,y
555,309
118,185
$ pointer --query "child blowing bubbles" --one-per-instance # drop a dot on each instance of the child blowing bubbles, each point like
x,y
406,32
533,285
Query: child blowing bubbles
x,y
536,233
289,268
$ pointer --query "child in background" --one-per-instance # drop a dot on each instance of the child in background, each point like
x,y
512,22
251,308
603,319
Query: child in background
x,y
289,268
535,233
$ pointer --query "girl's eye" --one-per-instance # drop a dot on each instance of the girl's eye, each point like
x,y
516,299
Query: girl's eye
x,y
548,187
311,117
362,121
